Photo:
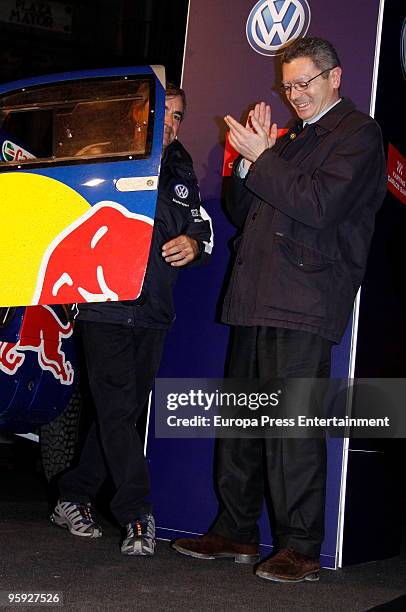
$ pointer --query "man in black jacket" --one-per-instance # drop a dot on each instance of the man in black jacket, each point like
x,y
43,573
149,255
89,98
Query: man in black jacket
x,y
123,343
307,204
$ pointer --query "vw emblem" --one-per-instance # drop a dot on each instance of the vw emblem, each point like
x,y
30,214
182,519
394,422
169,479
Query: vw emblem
x,y
181,191
273,23
403,48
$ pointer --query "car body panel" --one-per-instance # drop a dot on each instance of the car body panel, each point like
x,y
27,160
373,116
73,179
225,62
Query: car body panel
x,y
37,371
80,225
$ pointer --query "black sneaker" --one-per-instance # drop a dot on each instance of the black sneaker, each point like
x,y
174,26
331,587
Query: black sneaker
x,y
77,518
140,536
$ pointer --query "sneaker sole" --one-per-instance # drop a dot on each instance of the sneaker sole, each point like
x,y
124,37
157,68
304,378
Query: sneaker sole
x,y
137,552
238,558
61,522
314,577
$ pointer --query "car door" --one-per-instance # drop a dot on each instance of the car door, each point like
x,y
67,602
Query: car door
x,y
80,158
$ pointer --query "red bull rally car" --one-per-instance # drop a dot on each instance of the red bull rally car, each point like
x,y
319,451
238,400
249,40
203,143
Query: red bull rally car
x,y
79,166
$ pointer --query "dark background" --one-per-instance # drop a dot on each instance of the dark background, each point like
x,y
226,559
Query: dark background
x,y
382,327
376,479
103,33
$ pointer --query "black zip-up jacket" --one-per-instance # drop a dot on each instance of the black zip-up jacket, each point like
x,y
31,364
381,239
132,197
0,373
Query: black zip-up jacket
x,y
178,212
308,208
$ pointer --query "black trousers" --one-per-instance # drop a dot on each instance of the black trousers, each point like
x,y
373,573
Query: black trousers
x,y
295,468
122,363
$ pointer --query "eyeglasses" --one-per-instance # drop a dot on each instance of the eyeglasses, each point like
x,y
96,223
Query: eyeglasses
x,y
301,85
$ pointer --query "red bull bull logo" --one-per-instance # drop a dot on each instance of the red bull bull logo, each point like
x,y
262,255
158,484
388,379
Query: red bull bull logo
x,y
81,264
59,249
42,332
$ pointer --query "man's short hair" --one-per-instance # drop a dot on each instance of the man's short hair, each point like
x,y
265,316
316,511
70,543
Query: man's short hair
x,y
319,50
173,91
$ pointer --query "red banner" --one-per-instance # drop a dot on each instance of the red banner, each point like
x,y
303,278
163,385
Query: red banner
x,y
397,173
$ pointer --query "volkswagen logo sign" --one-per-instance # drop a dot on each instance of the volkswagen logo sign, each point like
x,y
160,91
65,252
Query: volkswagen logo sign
x,y
273,23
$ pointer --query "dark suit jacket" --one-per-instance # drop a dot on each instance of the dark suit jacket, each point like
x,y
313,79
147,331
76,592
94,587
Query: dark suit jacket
x,y
309,205
174,216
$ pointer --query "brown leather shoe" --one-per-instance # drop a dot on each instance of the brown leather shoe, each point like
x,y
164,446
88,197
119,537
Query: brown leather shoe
x,y
213,546
289,566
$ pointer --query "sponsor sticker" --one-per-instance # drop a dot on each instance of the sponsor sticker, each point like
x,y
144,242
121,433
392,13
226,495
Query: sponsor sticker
x,y
13,152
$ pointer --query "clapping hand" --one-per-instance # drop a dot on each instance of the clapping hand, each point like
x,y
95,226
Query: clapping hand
x,y
257,135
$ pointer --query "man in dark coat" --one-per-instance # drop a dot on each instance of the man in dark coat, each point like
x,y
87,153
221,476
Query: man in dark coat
x,y
306,204
123,343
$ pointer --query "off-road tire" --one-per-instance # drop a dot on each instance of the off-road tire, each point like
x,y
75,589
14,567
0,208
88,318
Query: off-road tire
x,y
59,439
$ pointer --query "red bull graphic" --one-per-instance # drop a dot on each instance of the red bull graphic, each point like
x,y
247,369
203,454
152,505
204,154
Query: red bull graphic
x,y
81,264
79,215
34,210
60,249
42,332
